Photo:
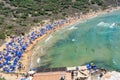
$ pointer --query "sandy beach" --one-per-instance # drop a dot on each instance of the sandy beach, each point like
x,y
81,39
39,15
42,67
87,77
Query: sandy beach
x,y
26,57
74,21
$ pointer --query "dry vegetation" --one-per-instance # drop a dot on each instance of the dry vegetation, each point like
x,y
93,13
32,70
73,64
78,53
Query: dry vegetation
x,y
17,16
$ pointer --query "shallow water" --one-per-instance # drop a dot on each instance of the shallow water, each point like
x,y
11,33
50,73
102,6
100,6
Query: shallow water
x,y
96,40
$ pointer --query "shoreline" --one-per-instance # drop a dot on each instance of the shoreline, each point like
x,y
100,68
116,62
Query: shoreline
x,y
27,56
81,20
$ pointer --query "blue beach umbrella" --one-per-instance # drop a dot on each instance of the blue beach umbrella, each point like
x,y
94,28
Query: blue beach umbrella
x,y
1,65
6,62
95,67
5,69
32,37
5,57
24,47
26,44
7,45
43,31
9,58
10,43
40,34
7,53
49,27
88,66
0,58
12,67
15,61
33,33
62,21
17,53
78,17
13,51
21,43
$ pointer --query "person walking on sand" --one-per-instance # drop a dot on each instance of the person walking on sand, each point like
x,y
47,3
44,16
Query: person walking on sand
x,y
17,75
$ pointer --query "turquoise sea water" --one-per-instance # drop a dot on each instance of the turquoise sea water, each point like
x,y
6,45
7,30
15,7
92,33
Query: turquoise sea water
x,y
96,40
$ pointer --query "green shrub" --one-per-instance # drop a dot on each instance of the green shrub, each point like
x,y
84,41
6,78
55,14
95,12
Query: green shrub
x,y
2,35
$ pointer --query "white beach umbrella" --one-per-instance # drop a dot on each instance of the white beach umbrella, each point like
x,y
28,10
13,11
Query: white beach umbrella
x,y
31,72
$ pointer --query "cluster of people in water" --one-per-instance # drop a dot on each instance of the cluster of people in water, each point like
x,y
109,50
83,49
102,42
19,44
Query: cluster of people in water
x,y
11,55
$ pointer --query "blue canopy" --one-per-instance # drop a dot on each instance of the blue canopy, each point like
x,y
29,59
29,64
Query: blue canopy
x,y
7,45
15,63
10,43
49,27
88,66
16,60
43,31
5,56
9,58
17,53
33,33
24,47
95,67
5,69
21,43
39,34
78,16
0,58
12,67
6,62
13,51
1,65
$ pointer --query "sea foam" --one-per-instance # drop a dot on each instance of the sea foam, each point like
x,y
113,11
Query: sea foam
x,y
73,27
103,24
48,38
